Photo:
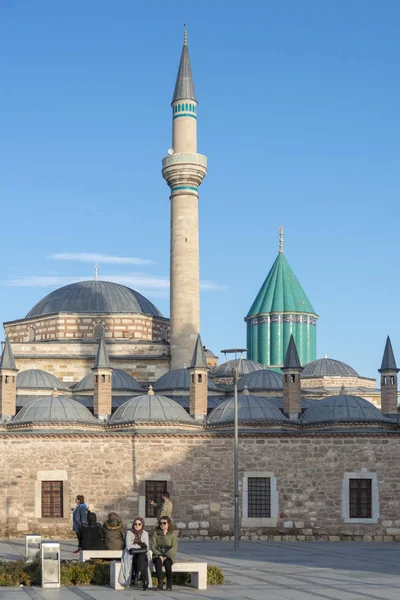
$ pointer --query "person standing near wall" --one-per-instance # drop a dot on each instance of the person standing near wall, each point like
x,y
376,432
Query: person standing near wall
x,y
165,508
79,516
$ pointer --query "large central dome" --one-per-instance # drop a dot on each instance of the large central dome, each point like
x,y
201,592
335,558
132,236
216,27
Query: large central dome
x,y
94,297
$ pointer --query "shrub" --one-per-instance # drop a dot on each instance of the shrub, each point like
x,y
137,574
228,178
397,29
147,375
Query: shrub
x,y
16,573
215,575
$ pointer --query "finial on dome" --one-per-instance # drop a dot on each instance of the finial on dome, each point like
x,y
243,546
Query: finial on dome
x,y
96,272
184,35
54,393
150,391
281,239
245,390
325,355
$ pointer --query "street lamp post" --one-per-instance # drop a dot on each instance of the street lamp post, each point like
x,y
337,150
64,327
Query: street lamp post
x,y
236,375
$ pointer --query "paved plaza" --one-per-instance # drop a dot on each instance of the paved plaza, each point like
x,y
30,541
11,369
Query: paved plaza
x,y
271,570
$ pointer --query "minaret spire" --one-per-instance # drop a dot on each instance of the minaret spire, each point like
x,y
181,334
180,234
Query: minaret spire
x,y
184,171
281,238
184,35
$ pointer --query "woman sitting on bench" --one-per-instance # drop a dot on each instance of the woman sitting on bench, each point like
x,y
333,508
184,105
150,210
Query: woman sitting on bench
x,y
134,558
164,546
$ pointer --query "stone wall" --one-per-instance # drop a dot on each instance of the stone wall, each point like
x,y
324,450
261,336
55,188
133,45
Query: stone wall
x,y
71,360
337,382
111,470
73,326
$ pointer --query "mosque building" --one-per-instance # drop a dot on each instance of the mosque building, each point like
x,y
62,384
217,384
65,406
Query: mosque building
x,y
102,395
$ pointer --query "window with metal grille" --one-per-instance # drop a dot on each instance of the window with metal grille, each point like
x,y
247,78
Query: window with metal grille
x,y
154,491
98,331
259,497
360,498
52,499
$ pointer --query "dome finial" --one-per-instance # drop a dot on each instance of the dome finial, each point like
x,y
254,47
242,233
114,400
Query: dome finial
x,y
184,35
96,272
150,391
281,238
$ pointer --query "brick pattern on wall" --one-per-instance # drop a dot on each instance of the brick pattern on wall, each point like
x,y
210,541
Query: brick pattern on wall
x,y
72,326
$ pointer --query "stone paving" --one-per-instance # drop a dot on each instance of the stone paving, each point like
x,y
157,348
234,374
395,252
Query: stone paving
x,y
271,570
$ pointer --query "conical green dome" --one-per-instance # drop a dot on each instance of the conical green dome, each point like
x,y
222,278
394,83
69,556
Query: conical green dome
x,y
281,292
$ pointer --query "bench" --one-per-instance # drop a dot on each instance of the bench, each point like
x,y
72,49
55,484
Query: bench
x,y
108,554
198,571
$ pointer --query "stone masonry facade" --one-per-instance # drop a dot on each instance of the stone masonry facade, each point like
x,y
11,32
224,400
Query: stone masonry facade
x,y
111,471
77,326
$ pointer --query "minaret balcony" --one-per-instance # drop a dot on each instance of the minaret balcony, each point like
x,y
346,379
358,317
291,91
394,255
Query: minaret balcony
x,y
178,159
184,169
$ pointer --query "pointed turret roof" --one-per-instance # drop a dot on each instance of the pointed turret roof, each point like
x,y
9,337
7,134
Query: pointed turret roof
x,y
184,87
281,291
292,360
7,358
102,361
199,357
388,360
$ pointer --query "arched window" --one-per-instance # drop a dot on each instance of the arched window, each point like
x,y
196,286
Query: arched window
x,y
31,335
179,108
103,379
384,380
163,335
98,331
199,378
192,378
392,380
293,378
187,106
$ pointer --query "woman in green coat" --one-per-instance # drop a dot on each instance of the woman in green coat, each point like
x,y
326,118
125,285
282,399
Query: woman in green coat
x,y
164,546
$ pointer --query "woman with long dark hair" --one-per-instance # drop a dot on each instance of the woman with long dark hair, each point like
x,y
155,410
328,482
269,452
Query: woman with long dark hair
x,y
135,555
164,546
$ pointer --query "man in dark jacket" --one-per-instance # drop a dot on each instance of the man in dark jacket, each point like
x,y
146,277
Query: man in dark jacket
x,y
91,534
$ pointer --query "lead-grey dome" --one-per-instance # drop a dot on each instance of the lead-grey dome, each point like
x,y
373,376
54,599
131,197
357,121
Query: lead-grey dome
x,y
49,409
264,379
94,297
120,381
179,379
149,408
328,367
342,409
244,365
250,409
36,379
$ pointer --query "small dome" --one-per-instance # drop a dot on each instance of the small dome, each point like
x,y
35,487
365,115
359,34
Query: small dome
x,y
179,380
148,408
342,408
246,366
264,379
94,297
120,381
328,367
49,409
209,352
34,379
250,408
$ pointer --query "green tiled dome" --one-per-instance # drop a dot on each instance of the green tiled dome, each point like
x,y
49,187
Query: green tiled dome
x,y
281,292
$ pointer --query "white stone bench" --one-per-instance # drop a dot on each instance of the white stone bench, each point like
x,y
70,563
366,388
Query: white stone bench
x,y
89,554
198,571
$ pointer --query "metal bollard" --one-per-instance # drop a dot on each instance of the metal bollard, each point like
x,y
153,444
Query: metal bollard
x,y
32,547
50,559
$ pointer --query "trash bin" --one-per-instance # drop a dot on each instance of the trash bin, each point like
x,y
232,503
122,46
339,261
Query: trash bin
x,y
32,547
50,559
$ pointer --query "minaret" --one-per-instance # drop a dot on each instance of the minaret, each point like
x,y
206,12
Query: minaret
x,y
388,373
102,383
198,382
8,383
291,382
184,170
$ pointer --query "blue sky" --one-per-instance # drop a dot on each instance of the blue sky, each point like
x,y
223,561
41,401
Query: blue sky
x,y
298,115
